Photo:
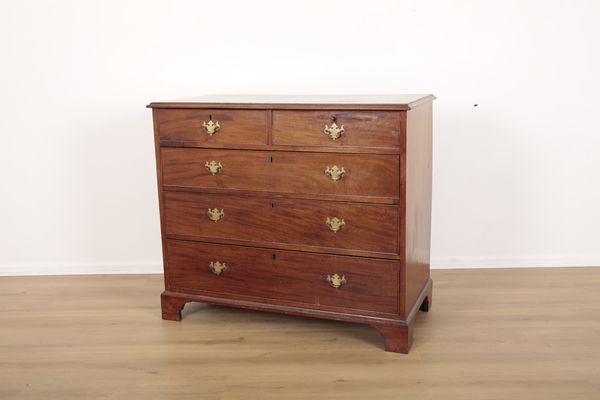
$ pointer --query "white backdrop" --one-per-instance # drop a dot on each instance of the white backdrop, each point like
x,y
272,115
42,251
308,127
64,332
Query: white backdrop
x,y
516,178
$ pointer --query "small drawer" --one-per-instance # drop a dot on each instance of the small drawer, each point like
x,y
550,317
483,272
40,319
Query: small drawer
x,y
213,127
317,280
337,128
216,168
360,175
259,221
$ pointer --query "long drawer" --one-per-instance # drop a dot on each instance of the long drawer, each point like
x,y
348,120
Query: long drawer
x,y
287,172
325,224
279,276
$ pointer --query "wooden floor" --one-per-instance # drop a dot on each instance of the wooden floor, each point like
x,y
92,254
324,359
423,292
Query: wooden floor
x,y
492,334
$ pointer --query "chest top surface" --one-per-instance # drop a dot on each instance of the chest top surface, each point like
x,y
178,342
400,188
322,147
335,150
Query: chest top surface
x,y
375,102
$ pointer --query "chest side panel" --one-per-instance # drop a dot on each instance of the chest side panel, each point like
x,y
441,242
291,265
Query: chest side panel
x,y
418,202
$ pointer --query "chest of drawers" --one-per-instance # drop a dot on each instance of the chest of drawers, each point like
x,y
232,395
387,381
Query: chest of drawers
x,y
317,206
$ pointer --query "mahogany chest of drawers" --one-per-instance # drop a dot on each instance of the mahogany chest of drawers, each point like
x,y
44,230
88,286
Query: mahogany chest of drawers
x,y
317,206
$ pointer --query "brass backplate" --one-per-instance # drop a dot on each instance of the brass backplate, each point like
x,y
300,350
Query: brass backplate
x,y
335,224
216,214
335,173
211,127
336,281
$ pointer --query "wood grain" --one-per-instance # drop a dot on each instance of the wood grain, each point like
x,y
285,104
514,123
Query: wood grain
x,y
273,276
495,334
361,129
400,102
367,227
417,202
283,172
159,185
277,195
242,170
312,149
237,126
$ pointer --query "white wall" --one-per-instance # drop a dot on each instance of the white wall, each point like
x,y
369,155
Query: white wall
x,y
516,179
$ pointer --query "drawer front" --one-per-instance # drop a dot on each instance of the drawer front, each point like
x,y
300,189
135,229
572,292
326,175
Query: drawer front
x,y
360,128
325,224
228,127
362,284
248,272
357,175
286,172
211,169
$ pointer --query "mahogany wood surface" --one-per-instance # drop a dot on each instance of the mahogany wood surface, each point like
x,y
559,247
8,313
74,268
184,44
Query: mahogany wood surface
x,y
242,170
397,338
367,227
171,306
272,155
361,129
289,246
288,195
397,102
314,149
236,126
418,201
159,184
284,172
273,276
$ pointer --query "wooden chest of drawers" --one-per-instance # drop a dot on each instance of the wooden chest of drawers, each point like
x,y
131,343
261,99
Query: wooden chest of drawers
x,y
317,206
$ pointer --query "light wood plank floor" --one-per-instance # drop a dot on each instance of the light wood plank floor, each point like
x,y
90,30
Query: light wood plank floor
x,y
492,334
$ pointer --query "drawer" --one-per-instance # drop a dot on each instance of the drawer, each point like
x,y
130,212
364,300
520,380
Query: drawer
x,y
364,284
360,128
211,169
228,127
284,172
321,224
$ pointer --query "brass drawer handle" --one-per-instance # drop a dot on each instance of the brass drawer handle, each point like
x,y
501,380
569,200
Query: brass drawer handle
x,y
211,127
335,224
215,214
334,131
213,167
335,173
217,267
336,281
